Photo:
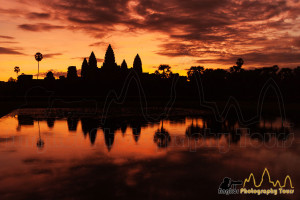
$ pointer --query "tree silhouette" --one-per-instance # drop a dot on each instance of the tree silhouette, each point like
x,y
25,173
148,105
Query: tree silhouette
x,y
164,71
285,74
137,64
11,80
38,57
194,71
17,70
49,76
238,67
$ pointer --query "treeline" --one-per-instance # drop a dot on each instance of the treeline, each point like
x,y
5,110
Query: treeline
x,y
213,84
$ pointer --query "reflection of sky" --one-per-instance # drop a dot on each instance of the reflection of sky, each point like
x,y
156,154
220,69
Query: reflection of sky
x,y
65,151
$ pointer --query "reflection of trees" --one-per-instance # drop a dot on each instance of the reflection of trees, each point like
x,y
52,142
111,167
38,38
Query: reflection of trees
x,y
194,130
265,133
162,137
40,143
210,128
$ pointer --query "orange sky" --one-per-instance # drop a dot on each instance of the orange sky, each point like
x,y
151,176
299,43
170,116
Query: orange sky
x,y
212,33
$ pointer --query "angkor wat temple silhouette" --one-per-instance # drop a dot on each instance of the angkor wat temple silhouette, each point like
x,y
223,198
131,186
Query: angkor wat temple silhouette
x,y
90,70
118,84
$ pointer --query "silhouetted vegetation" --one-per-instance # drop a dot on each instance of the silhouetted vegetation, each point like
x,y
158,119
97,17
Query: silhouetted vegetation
x,y
17,70
132,85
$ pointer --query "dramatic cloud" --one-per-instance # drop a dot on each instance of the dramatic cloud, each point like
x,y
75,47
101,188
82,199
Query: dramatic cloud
x,y
8,42
34,15
51,55
297,42
4,50
97,44
6,37
99,60
39,27
212,32
57,73
196,28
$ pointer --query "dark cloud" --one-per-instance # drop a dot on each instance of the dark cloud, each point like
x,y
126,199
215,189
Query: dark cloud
x,y
8,42
218,29
80,58
4,50
57,74
296,42
215,24
98,44
258,59
39,27
35,15
176,49
6,37
99,60
51,55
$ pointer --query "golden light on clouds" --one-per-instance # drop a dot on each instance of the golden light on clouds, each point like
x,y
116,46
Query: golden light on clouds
x,y
181,34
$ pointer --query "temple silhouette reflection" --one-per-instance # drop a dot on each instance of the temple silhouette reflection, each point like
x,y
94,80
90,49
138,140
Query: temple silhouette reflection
x,y
25,120
50,122
72,123
204,127
89,127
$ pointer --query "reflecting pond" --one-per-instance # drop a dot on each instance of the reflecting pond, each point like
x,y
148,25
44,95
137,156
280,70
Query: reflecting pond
x,y
69,154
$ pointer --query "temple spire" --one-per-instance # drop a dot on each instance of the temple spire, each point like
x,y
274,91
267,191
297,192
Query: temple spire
x,y
137,64
84,68
124,65
109,56
109,60
93,60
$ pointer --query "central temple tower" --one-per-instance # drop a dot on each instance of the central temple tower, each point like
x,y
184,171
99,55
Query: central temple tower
x,y
109,60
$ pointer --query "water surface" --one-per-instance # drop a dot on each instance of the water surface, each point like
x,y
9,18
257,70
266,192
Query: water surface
x,y
76,155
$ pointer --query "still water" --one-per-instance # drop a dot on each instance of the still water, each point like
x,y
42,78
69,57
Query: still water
x,y
75,155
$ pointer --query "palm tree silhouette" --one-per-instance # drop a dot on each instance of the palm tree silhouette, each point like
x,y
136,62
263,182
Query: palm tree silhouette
x,y
17,70
38,57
